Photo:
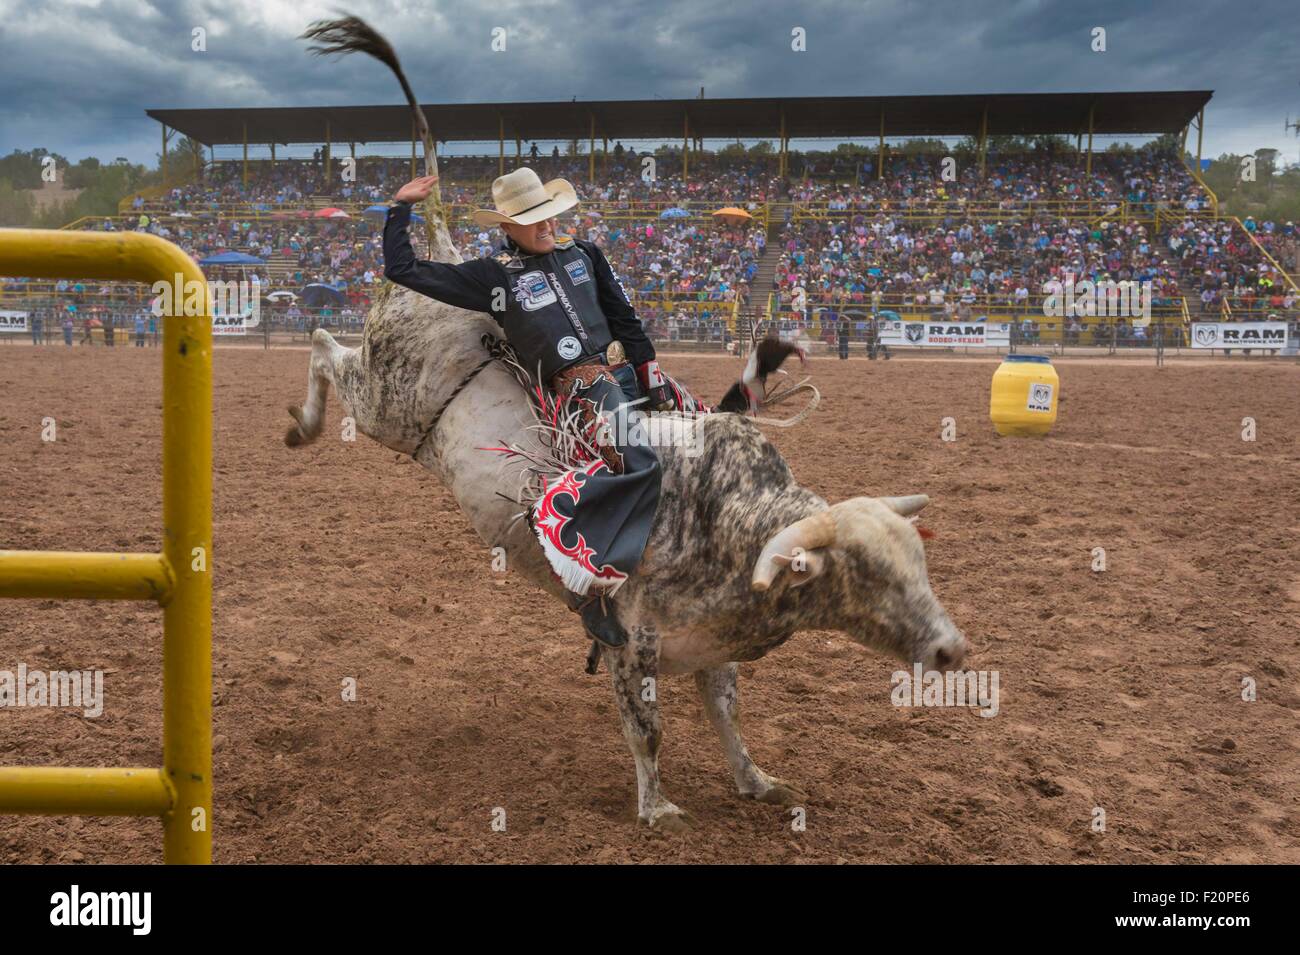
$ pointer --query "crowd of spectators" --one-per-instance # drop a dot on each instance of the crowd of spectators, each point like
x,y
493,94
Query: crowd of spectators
x,y
917,239
886,261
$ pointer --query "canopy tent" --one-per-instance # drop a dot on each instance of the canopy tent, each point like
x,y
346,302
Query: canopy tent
x,y
379,210
232,258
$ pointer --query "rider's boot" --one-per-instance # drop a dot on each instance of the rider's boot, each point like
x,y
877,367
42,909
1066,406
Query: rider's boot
x,y
600,620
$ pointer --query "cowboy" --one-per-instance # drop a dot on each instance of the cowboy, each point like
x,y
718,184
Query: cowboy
x,y
567,316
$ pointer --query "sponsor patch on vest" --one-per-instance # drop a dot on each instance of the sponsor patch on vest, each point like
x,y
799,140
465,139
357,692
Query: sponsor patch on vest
x,y
577,270
568,348
534,292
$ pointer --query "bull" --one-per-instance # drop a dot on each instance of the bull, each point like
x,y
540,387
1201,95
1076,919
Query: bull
x,y
740,557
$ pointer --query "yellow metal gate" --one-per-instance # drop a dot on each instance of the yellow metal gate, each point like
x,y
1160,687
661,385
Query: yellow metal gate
x,y
179,579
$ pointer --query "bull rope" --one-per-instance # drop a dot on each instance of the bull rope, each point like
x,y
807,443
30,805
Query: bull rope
x,y
779,395
496,350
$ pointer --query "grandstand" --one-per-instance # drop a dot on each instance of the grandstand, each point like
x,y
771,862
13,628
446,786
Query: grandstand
x,y
830,236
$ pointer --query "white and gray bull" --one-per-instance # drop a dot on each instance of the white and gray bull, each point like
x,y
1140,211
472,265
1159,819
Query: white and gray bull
x,y
740,556
717,585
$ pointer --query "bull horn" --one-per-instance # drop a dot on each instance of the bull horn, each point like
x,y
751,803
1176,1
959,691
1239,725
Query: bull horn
x,y
808,534
907,505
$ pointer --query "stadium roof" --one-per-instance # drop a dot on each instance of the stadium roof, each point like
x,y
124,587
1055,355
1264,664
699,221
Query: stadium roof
x,y
809,117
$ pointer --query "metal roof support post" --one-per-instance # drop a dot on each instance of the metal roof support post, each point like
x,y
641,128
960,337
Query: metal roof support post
x,y
686,146
1200,132
880,157
1088,167
781,162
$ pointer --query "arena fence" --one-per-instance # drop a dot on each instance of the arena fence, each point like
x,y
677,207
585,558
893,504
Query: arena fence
x,y
179,579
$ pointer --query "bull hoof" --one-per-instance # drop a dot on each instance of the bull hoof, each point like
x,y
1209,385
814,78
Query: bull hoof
x,y
294,437
780,793
668,818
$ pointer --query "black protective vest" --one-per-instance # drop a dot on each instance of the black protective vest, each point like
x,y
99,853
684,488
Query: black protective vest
x,y
552,313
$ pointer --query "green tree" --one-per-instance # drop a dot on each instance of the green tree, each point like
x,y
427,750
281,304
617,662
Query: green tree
x,y
16,206
23,169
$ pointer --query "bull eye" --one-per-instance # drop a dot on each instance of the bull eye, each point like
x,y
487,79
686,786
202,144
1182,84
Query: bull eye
x,y
925,532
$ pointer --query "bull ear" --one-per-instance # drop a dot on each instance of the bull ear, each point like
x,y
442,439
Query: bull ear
x,y
796,545
801,566
905,506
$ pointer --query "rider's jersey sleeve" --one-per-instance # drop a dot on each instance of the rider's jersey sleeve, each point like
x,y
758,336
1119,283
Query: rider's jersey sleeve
x,y
623,322
469,285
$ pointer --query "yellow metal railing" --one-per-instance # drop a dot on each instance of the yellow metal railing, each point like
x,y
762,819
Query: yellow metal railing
x,y
179,579
1264,252
689,303
930,208
156,191
635,210
1120,212
1200,181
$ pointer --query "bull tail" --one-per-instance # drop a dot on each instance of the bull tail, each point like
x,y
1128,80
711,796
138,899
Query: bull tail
x,y
349,34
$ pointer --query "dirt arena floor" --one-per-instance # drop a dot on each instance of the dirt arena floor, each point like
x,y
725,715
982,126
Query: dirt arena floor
x,y
1119,690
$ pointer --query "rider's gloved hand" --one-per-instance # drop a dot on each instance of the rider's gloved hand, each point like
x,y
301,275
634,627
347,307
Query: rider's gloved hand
x,y
661,395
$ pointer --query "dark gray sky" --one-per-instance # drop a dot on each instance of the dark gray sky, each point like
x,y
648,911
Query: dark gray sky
x,y
77,75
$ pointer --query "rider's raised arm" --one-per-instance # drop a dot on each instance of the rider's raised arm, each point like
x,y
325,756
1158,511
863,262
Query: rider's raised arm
x,y
468,285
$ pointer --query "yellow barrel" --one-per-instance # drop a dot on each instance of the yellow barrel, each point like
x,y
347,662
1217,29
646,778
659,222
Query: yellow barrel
x,y
1024,397
98,337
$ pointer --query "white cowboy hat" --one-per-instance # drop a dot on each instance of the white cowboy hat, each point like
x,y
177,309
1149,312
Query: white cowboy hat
x,y
521,198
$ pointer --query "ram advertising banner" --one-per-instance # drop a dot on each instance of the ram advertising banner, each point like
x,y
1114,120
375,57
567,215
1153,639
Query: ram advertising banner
x,y
13,322
235,324
941,334
1239,335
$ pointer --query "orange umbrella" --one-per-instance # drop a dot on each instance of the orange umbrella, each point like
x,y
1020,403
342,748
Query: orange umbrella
x,y
733,216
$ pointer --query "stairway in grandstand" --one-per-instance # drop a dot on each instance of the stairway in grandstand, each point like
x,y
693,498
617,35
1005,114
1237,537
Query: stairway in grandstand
x,y
280,267
761,286
746,319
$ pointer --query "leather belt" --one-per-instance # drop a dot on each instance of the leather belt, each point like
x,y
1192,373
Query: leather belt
x,y
589,369
613,356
